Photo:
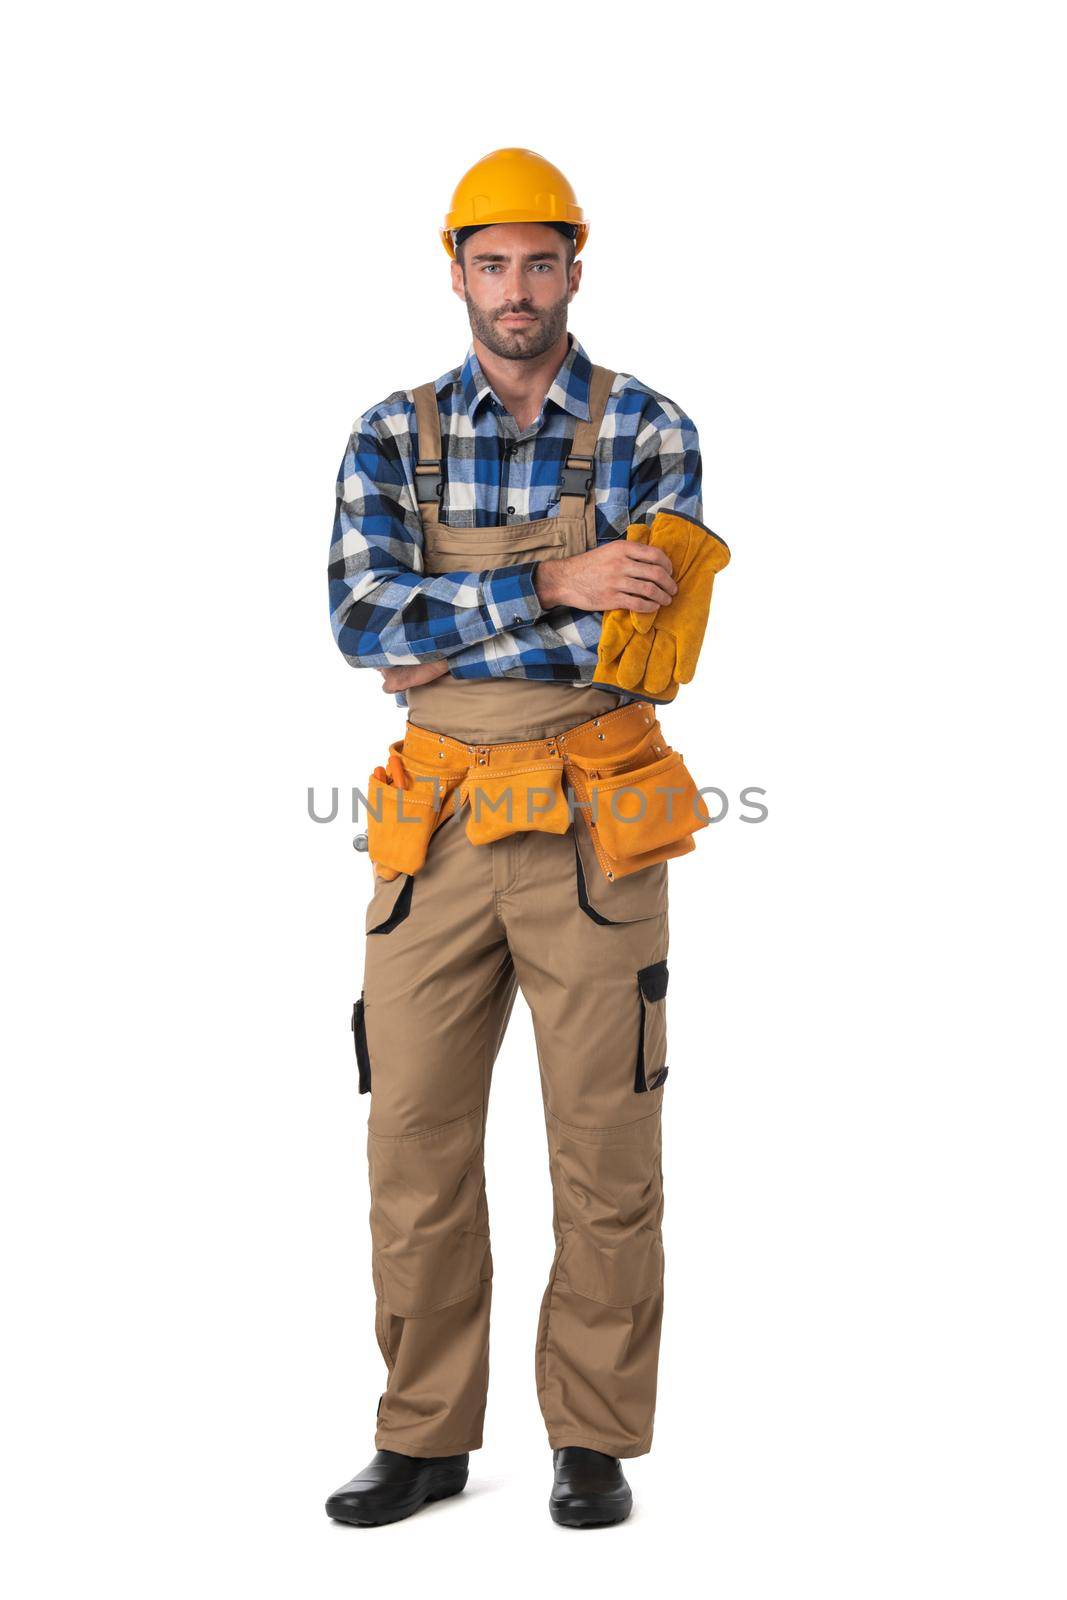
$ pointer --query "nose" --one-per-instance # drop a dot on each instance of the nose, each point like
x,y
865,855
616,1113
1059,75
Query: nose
x,y
515,292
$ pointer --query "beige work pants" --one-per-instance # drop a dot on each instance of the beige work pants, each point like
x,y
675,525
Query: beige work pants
x,y
446,950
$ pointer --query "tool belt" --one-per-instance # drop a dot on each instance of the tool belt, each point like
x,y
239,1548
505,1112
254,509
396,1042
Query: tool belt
x,y
632,791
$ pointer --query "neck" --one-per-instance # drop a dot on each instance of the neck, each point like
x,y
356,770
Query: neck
x,y
522,385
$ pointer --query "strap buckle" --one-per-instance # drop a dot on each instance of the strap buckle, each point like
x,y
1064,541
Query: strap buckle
x,y
577,476
429,481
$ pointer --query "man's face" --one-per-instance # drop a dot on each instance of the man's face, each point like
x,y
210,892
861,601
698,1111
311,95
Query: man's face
x,y
517,287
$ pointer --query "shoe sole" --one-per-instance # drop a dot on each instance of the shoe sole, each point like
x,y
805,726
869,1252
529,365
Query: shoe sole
x,y
570,1517
443,1490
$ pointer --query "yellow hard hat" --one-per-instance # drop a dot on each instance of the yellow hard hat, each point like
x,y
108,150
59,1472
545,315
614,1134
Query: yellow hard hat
x,y
513,186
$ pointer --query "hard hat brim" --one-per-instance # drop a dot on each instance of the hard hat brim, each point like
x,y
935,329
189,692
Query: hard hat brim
x,y
521,215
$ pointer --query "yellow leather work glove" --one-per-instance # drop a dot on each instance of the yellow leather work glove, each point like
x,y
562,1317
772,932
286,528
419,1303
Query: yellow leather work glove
x,y
654,651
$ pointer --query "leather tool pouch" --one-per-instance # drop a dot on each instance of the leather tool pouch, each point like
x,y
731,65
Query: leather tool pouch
x,y
401,818
506,800
645,809
641,810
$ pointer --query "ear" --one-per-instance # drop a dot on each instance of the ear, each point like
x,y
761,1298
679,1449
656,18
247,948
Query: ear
x,y
457,280
574,281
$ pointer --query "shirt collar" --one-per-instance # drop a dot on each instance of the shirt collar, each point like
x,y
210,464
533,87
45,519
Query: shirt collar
x,y
569,389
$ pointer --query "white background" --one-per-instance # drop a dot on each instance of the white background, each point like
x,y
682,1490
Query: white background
x,y
833,233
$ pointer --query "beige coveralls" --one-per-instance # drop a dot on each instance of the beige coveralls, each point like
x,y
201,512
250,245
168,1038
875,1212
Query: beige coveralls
x,y
447,947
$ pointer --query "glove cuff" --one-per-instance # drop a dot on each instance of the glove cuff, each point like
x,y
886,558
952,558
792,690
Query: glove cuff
x,y
663,519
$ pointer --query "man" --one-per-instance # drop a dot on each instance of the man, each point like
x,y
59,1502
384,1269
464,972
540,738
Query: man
x,y
518,549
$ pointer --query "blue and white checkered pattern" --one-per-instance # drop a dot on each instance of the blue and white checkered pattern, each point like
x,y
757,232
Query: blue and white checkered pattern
x,y
386,611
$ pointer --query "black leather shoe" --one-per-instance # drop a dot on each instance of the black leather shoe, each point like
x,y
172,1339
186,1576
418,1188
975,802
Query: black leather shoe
x,y
393,1486
588,1489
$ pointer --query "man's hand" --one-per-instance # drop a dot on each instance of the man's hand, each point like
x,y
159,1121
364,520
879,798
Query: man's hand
x,y
396,679
653,655
621,574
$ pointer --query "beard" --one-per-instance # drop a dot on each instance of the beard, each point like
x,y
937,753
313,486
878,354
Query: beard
x,y
519,344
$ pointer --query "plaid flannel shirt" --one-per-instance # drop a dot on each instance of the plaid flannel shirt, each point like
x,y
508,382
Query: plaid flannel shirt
x,y
387,611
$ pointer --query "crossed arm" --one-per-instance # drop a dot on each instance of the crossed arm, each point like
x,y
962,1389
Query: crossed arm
x,y
388,613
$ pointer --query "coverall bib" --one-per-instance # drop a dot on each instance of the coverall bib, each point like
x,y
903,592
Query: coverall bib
x,y
448,946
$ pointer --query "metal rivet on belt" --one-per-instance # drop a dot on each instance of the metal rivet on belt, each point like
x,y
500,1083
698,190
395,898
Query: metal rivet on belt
x,y
600,736
596,722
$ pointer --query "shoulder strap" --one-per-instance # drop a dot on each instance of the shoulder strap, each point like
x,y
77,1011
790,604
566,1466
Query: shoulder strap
x,y
429,479
577,477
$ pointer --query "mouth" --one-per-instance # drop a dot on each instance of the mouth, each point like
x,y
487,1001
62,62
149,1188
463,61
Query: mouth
x,y
517,320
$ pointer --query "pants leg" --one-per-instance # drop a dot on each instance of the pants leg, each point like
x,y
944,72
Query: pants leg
x,y
596,986
438,990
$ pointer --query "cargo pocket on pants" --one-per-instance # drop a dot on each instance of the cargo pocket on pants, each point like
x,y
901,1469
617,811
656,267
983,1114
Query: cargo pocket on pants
x,y
627,899
389,904
359,1033
651,1069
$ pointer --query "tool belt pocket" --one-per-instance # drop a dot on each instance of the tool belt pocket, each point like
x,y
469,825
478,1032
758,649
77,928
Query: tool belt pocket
x,y
507,800
399,824
405,803
649,808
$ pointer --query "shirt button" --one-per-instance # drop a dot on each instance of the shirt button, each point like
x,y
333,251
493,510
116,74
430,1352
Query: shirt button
x,y
511,509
